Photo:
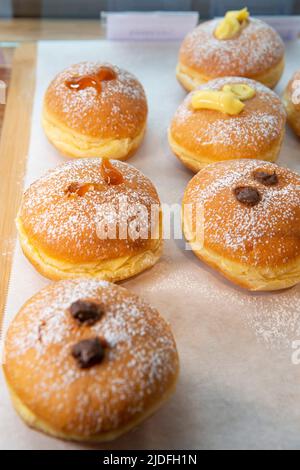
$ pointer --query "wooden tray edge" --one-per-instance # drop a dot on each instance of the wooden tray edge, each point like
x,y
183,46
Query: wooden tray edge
x,y
13,156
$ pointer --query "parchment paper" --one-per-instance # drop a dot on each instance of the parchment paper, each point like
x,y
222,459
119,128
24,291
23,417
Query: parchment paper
x,y
238,387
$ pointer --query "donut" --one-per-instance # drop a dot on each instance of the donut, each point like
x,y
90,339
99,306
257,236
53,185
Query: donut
x,y
199,137
242,217
254,50
87,360
291,100
91,218
95,110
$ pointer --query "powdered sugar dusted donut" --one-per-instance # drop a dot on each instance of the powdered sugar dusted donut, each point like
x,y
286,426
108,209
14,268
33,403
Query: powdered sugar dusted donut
x,y
87,360
91,217
256,52
291,100
199,137
95,110
248,212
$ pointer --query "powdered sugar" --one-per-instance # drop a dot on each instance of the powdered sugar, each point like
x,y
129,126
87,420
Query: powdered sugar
x,y
119,107
293,89
69,223
255,128
242,232
140,357
256,49
259,124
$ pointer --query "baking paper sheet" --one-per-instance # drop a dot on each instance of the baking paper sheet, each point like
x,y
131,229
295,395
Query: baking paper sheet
x,y
238,386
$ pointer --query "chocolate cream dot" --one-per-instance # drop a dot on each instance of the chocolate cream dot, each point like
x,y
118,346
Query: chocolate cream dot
x,y
247,195
88,353
85,311
268,179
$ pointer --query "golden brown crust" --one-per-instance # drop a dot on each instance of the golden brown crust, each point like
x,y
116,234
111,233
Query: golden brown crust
x,y
256,247
293,89
118,111
291,100
113,270
140,365
66,228
190,79
257,49
208,136
76,145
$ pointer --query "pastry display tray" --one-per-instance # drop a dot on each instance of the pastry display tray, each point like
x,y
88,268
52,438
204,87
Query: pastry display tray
x,y
239,385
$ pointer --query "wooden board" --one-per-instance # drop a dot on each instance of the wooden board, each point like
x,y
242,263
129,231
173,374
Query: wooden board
x,y
5,73
13,155
30,29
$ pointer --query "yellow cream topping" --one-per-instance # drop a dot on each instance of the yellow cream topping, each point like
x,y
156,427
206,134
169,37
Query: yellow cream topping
x,y
240,90
224,101
231,24
229,100
240,15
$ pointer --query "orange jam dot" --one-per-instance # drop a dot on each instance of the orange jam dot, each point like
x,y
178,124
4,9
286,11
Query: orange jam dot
x,y
110,174
94,80
106,74
81,189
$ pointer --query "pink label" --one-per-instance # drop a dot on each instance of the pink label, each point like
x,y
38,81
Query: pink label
x,y
156,26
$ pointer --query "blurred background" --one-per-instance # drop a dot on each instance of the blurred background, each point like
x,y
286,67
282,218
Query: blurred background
x,y
90,9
